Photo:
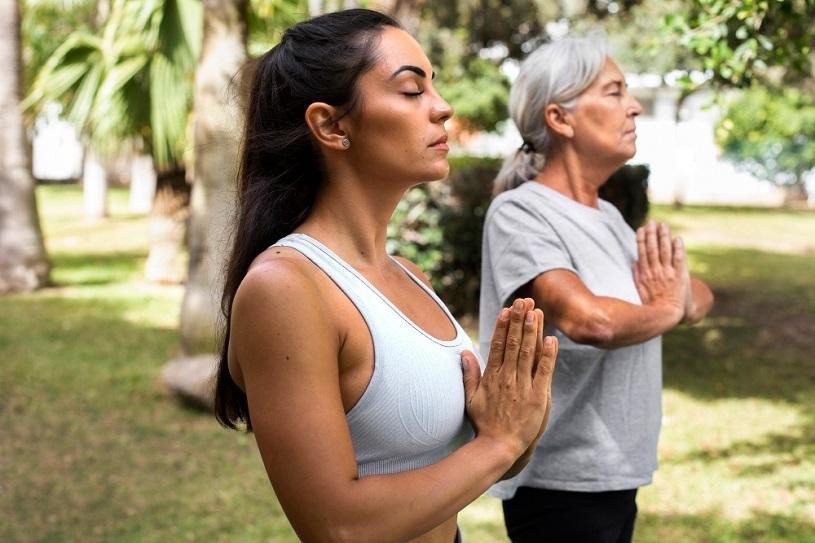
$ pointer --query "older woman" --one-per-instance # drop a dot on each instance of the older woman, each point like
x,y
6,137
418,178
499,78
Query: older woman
x,y
608,293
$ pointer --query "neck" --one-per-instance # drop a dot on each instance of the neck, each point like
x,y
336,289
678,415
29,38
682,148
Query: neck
x,y
352,218
573,176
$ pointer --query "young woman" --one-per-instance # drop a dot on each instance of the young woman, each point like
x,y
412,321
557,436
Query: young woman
x,y
549,236
350,371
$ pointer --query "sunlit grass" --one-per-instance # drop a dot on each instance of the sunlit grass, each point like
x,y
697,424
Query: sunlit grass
x,y
92,449
770,230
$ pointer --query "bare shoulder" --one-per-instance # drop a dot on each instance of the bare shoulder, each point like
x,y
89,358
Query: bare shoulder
x,y
277,277
280,307
415,270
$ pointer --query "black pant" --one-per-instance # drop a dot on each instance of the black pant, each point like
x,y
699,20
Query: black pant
x,y
554,516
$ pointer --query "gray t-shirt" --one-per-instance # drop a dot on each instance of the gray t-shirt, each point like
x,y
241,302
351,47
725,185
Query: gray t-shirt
x,y
606,404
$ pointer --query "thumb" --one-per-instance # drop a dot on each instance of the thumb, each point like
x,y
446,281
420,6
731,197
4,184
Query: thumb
x,y
472,374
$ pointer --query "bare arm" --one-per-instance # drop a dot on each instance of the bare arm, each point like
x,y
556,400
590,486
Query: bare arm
x,y
700,301
287,346
602,321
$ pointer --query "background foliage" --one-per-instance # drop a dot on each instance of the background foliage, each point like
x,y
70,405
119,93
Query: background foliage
x,y
45,25
771,133
129,81
744,41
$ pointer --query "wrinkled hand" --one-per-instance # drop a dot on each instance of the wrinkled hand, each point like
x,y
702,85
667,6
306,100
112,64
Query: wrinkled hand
x,y
510,402
661,273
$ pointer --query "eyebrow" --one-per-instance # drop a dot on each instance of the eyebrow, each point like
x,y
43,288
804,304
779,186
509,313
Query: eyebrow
x,y
409,68
618,82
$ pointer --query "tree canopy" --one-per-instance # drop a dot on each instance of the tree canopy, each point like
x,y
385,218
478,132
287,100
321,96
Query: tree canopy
x,y
131,79
745,41
771,134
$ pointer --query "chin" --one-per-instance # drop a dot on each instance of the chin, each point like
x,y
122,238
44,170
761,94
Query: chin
x,y
441,175
436,173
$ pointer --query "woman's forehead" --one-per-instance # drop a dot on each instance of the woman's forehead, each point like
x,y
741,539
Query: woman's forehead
x,y
396,50
610,72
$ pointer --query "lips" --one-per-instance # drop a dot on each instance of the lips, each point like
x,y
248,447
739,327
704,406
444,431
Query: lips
x,y
441,141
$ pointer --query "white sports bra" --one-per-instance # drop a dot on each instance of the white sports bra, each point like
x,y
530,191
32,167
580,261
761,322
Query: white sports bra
x,y
412,412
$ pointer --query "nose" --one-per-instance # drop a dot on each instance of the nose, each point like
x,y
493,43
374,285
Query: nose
x,y
635,108
440,111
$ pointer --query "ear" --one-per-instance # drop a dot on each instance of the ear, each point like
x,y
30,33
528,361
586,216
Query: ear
x,y
320,118
558,120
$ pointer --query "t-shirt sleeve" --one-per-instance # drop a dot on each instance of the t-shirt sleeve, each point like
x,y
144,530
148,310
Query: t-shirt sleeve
x,y
522,245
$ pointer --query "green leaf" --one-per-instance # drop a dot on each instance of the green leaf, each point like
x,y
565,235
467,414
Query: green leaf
x,y
83,101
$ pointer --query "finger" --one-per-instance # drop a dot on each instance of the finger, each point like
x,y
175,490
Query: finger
x,y
665,246
548,410
680,261
529,305
526,354
652,246
546,365
539,336
471,373
514,336
498,341
641,289
642,253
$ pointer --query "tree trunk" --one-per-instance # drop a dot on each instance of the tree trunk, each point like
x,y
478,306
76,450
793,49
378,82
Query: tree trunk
x,y
407,12
23,263
142,184
94,187
168,226
315,7
796,195
217,133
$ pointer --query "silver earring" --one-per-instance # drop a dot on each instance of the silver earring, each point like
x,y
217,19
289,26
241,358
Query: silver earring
x,y
346,142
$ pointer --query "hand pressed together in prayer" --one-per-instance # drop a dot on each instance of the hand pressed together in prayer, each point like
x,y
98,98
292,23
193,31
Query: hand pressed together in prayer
x,y
661,273
511,400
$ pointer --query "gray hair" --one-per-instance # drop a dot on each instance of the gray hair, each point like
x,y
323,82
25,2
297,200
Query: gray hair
x,y
556,73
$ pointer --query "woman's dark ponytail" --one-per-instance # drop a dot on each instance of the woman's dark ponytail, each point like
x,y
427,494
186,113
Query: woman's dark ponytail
x,y
319,60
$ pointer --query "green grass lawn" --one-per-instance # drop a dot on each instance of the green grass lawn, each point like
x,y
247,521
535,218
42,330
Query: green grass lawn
x,y
92,448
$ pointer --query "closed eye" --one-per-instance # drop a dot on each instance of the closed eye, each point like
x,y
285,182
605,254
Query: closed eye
x,y
615,88
414,94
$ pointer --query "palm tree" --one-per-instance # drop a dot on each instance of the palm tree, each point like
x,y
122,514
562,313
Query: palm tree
x,y
217,134
127,87
23,264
